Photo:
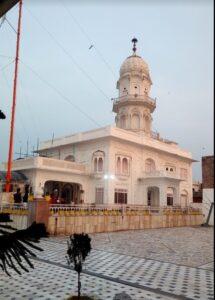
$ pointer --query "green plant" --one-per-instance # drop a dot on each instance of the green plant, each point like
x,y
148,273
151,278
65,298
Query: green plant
x,y
79,246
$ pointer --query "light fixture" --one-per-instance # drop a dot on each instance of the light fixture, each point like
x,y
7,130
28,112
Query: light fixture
x,y
107,176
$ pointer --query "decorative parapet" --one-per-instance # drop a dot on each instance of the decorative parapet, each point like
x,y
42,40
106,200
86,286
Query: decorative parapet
x,y
49,164
161,174
119,210
102,210
136,96
156,136
134,99
109,210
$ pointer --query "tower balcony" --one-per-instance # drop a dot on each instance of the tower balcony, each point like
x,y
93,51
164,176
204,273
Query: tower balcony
x,y
160,174
133,99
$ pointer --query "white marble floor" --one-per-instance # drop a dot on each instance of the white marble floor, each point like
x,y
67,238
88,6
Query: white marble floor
x,y
107,273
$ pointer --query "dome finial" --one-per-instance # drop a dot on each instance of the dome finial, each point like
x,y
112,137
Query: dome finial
x,y
134,41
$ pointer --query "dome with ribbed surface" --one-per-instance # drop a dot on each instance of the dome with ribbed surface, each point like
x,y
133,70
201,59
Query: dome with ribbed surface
x,y
134,63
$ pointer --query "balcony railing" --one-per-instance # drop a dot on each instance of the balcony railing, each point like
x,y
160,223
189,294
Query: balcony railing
x,y
134,97
160,174
47,163
62,164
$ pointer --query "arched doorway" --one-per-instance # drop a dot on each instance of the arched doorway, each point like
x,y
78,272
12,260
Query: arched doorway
x,y
153,196
67,193
63,192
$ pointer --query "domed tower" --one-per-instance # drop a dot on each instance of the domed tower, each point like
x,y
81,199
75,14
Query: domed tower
x,y
134,106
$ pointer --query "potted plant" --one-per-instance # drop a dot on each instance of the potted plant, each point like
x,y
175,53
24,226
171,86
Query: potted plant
x,y
79,246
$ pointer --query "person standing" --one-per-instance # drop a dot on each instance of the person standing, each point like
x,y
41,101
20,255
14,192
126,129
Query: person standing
x,y
54,197
25,197
17,196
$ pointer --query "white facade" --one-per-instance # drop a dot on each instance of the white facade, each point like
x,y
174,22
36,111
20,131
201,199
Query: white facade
x,y
126,163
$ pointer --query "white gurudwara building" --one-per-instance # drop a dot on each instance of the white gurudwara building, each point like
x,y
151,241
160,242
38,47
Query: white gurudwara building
x,y
126,163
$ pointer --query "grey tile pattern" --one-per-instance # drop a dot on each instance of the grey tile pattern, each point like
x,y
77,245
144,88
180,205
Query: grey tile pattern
x,y
190,246
149,265
49,282
194,283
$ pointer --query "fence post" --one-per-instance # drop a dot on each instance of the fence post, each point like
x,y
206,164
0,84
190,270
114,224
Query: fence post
x,y
38,211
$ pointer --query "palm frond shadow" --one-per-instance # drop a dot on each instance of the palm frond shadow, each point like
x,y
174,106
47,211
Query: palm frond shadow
x,y
16,246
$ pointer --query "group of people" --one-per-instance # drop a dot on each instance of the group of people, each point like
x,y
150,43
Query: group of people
x,y
52,198
56,198
18,198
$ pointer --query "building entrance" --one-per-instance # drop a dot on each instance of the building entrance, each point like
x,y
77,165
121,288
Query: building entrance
x,y
63,193
153,196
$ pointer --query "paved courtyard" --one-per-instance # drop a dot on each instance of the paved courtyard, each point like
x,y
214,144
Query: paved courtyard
x,y
174,263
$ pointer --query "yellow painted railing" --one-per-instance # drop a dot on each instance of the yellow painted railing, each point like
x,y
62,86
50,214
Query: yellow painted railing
x,y
116,210
15,209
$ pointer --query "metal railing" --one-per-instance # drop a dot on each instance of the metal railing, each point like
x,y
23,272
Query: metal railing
x,y
14,209
116,209
102,209
161,173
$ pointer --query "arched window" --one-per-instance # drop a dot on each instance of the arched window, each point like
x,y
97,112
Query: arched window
x,y
122,165
125,165
118,165
98,161
100,164
147,124
95,164
149,165
170,168
123,121
70,158
135,121
170,193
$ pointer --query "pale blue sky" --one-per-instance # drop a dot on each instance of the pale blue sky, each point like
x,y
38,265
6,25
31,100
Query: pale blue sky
x,y
175,39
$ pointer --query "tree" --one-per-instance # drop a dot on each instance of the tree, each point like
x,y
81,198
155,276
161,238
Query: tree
x,y
79,246
15,244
